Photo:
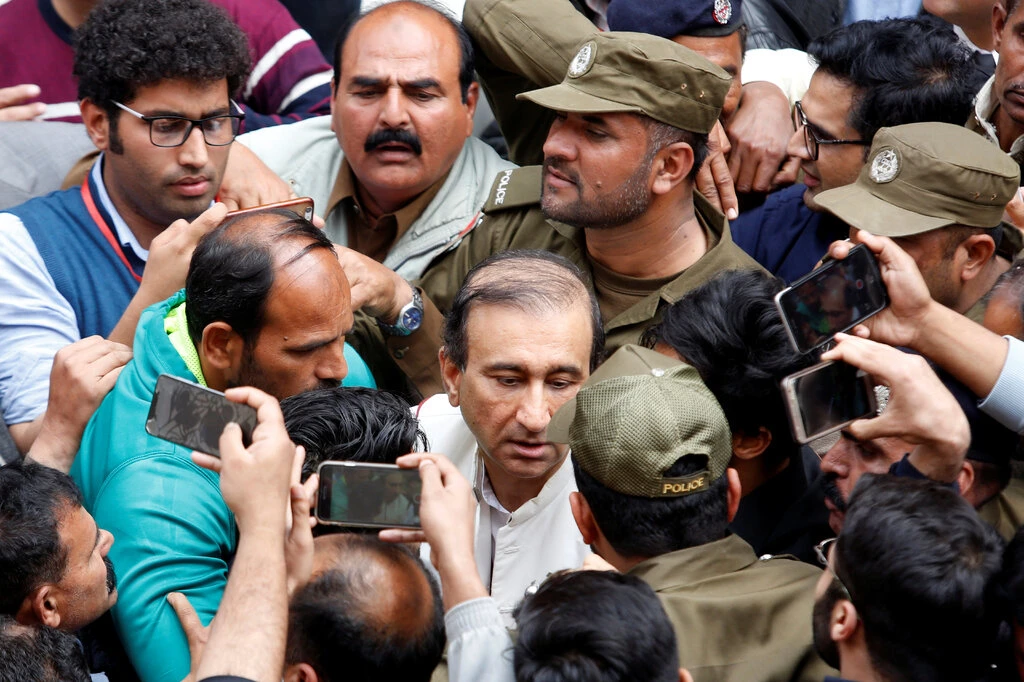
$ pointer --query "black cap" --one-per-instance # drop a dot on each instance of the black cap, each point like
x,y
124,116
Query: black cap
x,y
671,18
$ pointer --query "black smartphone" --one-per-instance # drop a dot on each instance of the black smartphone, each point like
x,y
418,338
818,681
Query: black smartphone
x,y
826,398
365,495
831,299
194,416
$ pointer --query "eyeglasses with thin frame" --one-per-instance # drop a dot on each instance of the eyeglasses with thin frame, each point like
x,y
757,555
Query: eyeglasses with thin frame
x,y
172,131
811,139
822,549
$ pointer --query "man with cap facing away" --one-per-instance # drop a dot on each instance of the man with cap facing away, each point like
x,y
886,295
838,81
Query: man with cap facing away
x,y
650,449
939,191
615,194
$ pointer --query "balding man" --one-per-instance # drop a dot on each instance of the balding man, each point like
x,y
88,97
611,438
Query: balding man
x,y
395,168
265,304
371,612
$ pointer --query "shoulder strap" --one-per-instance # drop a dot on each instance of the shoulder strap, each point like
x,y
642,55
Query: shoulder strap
x,y
514,188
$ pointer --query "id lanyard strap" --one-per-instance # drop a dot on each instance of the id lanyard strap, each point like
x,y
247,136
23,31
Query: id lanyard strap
x,y
90,205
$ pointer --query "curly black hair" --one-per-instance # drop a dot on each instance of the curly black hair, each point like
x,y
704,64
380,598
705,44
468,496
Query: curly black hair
x,y
125,45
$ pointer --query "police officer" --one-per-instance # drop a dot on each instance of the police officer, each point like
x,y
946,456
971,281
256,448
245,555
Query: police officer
x,y
651,449
615,196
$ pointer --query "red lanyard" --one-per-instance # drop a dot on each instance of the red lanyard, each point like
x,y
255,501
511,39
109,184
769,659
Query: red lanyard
x,y
90,206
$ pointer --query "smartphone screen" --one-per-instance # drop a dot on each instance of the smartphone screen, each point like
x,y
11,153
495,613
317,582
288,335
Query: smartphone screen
x,y
368,495
827,397
834,298
194,416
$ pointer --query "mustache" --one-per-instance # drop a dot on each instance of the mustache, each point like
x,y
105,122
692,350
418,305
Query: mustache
x,y
551,162
111,575
833,494
391,136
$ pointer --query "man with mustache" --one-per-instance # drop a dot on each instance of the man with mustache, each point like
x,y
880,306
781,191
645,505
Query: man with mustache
x,y
999,109
394,169
266,304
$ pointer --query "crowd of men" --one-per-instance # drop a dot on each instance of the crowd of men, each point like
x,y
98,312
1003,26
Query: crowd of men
x,y
564,322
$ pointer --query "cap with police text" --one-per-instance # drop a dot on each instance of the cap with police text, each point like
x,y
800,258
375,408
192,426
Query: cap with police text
x,y
643,74
635,417
923,176
671,18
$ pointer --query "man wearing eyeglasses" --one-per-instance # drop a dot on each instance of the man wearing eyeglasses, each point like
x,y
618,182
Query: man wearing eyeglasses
x,y
74,263
869,75
906,593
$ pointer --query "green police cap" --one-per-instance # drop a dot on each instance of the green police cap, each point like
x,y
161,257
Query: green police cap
x,y
643,74
923,176
635,417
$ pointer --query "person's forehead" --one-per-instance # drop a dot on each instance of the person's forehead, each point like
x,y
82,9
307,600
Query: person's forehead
x,y
77,530
724,51
310,295
827,102
191,98
537,340
395,41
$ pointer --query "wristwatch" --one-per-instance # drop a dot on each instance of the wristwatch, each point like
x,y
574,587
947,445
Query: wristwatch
x,y
410,317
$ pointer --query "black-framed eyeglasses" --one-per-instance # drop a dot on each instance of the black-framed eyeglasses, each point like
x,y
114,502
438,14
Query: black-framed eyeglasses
x,y
822,549
172,131
811,137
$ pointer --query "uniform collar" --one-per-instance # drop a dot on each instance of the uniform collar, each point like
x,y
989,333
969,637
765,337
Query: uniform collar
x,y
716,259
692,565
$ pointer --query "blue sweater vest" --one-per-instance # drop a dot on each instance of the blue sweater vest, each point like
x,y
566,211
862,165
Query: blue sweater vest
x,y
83,264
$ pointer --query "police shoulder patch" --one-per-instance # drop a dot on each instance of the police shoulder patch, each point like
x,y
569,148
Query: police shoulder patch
x,y
514,188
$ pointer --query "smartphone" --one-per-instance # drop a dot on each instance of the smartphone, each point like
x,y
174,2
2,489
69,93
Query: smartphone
x,y
831,299
194,416
365,495
827,398
302,207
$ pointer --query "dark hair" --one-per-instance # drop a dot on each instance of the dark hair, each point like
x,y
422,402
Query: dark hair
x,y
661,135
641,527
1011,6
33,500
527,279
125,45
903,71
335,623
39,654
920,568
467,69
1011,283
730,330
357,424
594,626
232,271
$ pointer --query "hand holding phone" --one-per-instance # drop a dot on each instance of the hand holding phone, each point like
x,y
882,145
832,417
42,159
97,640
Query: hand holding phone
x,y
826,398
833,298
194,416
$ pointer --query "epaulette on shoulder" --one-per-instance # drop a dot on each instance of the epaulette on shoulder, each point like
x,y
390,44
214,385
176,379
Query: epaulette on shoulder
x,y
514,188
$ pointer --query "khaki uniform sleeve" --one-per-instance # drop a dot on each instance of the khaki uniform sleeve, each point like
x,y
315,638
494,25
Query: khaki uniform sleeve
x,y
523,45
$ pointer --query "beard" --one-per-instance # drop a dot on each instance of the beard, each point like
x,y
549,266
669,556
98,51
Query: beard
x,y
251,373
111,576
821,621
612,208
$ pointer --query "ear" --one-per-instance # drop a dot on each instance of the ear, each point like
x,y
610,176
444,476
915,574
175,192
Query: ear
x,y
97,123
46,606
735,492
472,97
300,672
965,480
451,375
844,621
749,447
979,249
685,676
221,348
998,24
584,518
671,167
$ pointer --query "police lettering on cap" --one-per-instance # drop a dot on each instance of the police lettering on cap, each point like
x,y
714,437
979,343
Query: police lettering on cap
x,y
671,18
924,176
643,74
637,415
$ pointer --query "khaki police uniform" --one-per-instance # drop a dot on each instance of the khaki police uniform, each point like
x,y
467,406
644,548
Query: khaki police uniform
x,y
1005,511
610,73
737,617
